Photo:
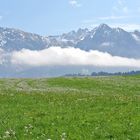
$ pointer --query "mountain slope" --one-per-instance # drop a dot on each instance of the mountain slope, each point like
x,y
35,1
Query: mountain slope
x,y
13,39
115,41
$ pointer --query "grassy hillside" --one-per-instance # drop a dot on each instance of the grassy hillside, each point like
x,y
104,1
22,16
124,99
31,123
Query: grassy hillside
x,y
104,108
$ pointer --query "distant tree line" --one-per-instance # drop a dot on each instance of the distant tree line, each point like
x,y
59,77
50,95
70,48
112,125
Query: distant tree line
x,y
106,74
112,74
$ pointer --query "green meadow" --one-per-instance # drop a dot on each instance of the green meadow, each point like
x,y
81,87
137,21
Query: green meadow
x,y
88,108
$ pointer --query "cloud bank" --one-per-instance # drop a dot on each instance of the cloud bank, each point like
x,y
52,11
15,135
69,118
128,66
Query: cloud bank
x,y
57,56
4,57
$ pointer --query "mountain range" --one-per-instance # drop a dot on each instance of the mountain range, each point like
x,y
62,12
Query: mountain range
x,y
112,41
115,41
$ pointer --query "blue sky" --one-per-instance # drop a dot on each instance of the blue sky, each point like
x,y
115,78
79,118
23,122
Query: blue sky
x,y
50,17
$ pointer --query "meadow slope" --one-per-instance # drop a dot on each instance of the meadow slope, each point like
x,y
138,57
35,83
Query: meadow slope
x,y
90,108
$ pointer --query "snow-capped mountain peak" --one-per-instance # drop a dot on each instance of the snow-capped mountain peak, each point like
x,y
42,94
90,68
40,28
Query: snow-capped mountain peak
x,y
115,41
104,27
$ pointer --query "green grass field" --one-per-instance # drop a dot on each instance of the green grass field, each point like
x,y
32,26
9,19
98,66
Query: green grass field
x,y
99,108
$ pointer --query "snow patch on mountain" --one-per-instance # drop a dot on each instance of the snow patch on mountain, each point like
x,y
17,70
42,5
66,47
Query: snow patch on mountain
x,y
137,38
106,44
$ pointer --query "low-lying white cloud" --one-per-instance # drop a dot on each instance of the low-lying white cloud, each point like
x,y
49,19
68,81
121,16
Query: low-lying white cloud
x,y
70,56
1,56
4,57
